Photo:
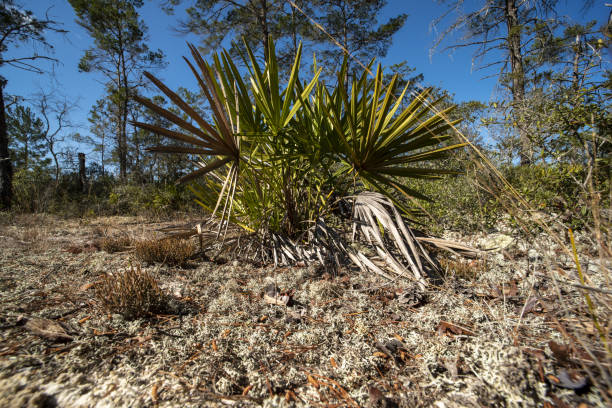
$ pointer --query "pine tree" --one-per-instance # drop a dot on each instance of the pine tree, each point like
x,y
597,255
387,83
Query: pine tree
x,y
353,26
26,142
520,29
120,54
253,21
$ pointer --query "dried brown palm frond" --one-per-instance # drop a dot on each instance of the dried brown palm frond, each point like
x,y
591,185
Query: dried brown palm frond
x,y
398,251
375,215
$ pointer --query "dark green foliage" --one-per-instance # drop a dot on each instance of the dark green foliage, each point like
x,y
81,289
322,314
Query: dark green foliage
x,y
217,20
35,191
25,132
353,23
463,204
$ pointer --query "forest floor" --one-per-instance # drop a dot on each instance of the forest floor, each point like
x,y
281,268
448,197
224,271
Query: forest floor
x,y
491,334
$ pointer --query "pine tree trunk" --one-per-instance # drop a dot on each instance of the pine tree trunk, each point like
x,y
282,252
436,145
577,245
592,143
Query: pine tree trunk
x,y
264,26
6,167
518,77
82,177
123,152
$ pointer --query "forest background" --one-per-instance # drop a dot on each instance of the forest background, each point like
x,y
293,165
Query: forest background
x,y
531,81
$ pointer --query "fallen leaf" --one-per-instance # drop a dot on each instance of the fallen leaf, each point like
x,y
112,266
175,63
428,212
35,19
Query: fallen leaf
x,y
563,380
83,320
87,286
561,352
290,395
313,382
48,329
154,396
333,362
451,328
213,344
246,389
274,297
277,300
104,333
380,354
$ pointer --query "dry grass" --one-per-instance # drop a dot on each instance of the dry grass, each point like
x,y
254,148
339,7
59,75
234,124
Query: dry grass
x,y
494,341
133,294
115,244
174,252
468,269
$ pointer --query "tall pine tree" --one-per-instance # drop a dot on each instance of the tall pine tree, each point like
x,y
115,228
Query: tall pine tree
x,y
25,133
520,30
352,23
354,27
120,53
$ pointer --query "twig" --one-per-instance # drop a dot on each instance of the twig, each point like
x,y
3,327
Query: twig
x,y
576,285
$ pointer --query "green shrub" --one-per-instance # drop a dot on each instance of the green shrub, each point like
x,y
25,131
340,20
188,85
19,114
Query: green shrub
x,y
32,190
147,199
458,203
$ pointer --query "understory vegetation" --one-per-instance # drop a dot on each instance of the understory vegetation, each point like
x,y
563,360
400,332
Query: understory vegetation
x,y
321,202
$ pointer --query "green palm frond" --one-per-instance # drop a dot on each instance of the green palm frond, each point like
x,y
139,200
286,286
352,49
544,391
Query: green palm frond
x,y
276,156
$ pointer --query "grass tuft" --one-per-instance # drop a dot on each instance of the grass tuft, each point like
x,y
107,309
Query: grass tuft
x,y
133,294
173,252
115,244
466,269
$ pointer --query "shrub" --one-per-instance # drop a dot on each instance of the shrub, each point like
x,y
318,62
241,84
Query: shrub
x,y
133,294
174,252
149,199
33,190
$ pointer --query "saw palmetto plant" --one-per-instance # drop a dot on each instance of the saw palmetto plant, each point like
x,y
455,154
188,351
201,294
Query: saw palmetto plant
x,y
276,160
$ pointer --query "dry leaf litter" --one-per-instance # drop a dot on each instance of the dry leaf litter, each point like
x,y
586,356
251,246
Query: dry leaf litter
x,y
241,335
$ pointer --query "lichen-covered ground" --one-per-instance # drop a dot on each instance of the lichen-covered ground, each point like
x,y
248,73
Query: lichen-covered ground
x,y
345,340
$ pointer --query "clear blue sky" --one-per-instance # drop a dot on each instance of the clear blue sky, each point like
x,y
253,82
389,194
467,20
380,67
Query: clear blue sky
x,y
412,43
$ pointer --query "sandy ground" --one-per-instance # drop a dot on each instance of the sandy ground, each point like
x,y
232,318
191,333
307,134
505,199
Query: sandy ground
x,y
492,334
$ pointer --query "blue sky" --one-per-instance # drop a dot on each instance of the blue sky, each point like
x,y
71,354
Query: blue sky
x,y
453,72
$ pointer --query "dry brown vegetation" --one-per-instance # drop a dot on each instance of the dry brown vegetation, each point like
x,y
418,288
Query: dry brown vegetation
x,y
133,293
115,244
175,252
492,334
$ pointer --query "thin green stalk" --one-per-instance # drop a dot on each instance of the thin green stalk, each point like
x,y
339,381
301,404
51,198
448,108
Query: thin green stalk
x,y
591,307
